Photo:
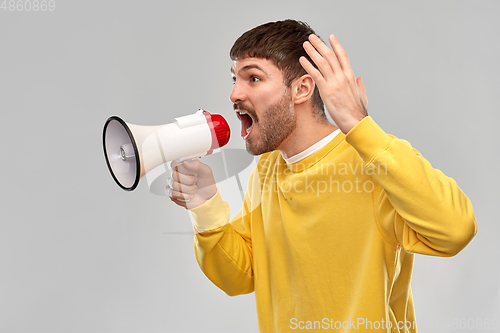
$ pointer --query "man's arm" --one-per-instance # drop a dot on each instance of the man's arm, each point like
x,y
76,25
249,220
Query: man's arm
x,y
418,207
223,250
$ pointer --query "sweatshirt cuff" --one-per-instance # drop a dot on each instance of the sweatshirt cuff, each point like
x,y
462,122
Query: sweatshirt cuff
x,y
368,139
211,214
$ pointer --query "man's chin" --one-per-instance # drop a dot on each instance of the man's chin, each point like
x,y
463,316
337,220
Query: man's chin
x,y
252,149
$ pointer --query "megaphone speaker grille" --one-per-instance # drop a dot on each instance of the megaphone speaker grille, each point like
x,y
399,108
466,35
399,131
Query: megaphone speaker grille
x,y
121,153
221,129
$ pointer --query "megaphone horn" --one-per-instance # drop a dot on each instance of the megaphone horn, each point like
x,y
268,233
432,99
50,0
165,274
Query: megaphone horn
x,y
131,150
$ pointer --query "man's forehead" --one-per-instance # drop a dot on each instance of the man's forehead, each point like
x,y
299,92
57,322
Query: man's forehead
x,y
260,64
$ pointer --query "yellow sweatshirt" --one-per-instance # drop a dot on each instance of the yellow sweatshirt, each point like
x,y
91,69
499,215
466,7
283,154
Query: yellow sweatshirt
x,y
327,243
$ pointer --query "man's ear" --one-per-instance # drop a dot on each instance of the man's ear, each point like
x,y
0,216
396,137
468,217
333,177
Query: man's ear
x,y
302,89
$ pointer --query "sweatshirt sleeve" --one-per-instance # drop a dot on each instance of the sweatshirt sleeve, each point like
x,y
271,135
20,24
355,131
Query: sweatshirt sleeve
x,y
417,206
223,247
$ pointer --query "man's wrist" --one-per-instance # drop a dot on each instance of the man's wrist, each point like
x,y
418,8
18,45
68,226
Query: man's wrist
x,y
211,214
368,139
348,125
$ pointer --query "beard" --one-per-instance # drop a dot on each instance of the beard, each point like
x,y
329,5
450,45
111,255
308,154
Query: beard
x,y
275,125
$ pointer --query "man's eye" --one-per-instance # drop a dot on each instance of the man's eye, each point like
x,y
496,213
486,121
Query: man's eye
x,y
255,79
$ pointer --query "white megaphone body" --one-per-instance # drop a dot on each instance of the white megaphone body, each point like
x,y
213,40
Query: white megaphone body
x,y
131,150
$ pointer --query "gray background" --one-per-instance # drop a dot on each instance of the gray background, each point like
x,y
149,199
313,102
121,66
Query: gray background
x,y
78,254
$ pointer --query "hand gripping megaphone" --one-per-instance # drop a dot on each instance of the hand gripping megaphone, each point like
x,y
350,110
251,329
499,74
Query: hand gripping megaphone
x,y
131,150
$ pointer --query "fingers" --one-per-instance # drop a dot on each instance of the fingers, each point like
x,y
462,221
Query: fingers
x,y
325,52
180,193
181,168
315,74
198,168
178,201
181,186
342,57
330,63
187,185
191,183
178,196
184,179
323,56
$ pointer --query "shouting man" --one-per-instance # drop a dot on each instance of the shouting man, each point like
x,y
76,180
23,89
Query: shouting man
x,y
333,214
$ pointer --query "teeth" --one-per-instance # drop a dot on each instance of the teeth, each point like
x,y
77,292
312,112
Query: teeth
x,y
239,113
249,129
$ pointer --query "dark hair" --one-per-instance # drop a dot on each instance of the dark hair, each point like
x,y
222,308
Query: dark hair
x,y
282,43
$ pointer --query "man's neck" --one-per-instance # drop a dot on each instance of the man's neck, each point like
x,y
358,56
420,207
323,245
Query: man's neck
x,y
308,131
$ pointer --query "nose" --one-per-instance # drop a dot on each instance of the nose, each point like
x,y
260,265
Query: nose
x,y
237,94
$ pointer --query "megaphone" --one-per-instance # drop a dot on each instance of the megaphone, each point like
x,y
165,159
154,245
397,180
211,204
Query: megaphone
x,y
131,150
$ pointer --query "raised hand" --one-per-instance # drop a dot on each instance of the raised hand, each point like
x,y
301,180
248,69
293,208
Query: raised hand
x,y
344,96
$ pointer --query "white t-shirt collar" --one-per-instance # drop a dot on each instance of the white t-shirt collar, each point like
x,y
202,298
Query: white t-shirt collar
x,y
312,149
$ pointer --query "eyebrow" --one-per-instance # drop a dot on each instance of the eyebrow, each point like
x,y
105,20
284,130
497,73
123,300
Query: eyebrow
x,y
248,67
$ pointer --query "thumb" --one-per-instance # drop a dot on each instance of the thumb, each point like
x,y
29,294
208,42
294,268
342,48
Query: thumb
x,y
362,94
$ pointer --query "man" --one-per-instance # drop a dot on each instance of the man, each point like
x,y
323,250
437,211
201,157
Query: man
x,y
333,214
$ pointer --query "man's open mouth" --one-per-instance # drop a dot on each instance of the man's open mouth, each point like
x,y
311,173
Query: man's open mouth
x,y
246,123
